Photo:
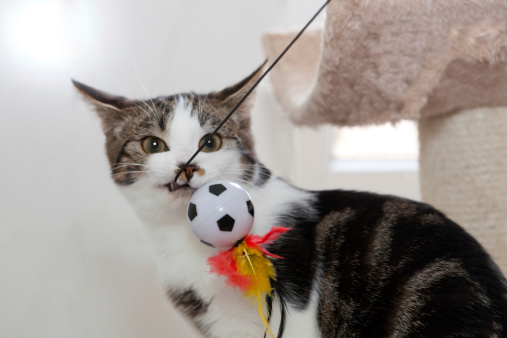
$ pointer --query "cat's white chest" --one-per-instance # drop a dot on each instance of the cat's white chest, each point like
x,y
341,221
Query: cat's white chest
x,y
182,265
181,261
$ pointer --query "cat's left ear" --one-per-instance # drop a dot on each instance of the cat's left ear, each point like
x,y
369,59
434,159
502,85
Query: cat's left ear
x,y
233,94
110,108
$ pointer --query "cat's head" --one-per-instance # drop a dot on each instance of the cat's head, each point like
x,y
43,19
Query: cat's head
x,y
148,142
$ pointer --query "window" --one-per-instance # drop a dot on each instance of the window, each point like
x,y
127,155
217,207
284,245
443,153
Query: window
x,y
381,148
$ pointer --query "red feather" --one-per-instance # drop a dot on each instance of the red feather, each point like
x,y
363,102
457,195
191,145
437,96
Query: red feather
x,y
255,241
223,264
246,267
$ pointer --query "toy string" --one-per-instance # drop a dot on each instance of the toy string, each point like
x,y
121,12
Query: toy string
x,y
250,91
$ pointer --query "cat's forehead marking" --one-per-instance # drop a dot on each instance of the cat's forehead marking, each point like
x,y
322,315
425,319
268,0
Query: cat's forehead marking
x,y
185,129
162,110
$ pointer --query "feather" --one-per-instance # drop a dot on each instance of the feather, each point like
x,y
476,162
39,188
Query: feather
x,y
246,267
251,262
255,241
224,264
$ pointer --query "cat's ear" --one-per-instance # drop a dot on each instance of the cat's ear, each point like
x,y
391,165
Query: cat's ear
x,y
233,94
110,108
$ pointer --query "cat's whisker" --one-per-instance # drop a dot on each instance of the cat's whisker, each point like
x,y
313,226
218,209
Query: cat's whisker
x,y
144,87
164,108
129,172
233,173
250,167
205,100
240,171
246,183
141,178
157,180
241,175
199,110
140,169
151,169
124,166
189,104
148,114
120,165
152,110
201,107
129,165
237,174
250,172
255,167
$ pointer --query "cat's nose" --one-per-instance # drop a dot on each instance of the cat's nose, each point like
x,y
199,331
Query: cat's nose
x,y
189,170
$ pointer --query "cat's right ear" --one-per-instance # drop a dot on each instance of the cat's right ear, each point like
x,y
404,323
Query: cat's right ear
x,y
110,108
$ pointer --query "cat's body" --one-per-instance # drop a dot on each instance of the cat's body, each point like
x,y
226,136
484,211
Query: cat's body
x,y
215,308
355,264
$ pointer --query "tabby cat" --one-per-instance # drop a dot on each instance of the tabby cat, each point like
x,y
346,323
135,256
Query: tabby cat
x,y
356,264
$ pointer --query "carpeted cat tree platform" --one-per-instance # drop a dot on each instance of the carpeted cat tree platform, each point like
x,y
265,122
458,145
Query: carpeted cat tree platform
x,y
440,62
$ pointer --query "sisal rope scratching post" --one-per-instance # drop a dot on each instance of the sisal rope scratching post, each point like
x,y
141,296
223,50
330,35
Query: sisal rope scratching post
x,y
464,172
439,62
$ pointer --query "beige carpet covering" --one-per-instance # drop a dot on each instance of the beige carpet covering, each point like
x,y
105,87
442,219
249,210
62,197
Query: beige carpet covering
x,y
386,60
436,61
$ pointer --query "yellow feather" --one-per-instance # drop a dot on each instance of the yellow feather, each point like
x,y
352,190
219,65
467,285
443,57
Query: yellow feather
x,y
251,262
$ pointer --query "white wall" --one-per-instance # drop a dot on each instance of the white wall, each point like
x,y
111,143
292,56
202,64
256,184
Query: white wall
x,y
74,261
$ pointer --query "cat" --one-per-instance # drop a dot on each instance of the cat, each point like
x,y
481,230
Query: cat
x,y
355,264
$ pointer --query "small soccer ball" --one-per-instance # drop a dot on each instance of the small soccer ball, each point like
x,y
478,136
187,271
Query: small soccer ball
x,y
220,213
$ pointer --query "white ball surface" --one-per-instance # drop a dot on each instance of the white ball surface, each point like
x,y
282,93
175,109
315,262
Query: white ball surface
x,y
220,213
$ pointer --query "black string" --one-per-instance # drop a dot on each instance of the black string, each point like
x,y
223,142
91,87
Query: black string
x,y
283,311
250,91
269,298
269,306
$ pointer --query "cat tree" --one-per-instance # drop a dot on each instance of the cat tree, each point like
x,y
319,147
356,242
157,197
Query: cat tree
x,y
440,62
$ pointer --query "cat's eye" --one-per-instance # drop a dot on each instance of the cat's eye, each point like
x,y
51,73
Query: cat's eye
x,y
152,145
213,144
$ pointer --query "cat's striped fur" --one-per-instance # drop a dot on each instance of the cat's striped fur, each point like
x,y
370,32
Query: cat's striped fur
x,y
355,264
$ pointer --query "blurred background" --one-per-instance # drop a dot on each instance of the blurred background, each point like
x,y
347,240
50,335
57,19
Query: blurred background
x,y
74,259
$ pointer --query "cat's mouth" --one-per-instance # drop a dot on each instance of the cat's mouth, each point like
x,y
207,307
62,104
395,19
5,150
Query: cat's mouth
x,y
173,186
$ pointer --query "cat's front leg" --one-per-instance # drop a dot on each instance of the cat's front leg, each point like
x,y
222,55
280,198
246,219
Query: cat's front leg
x,y
218,311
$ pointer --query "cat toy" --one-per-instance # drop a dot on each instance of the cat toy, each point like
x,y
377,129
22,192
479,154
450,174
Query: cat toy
x,y
221,214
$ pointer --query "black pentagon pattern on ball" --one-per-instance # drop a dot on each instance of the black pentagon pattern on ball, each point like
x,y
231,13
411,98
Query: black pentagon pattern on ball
x,y
250,207
226,223
192,211
217,189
